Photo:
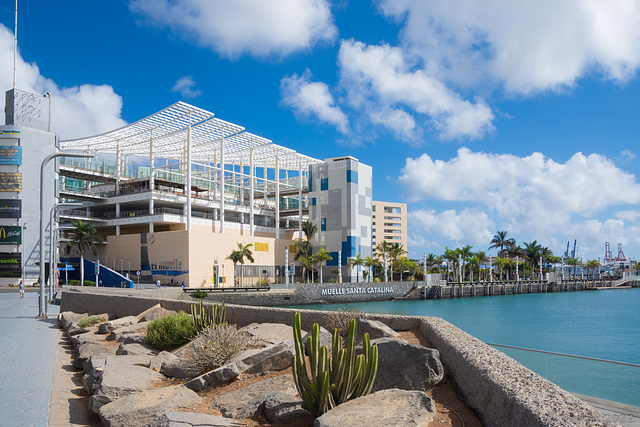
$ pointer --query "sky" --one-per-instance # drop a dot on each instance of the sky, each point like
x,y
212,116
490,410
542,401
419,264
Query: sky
x,y
481,116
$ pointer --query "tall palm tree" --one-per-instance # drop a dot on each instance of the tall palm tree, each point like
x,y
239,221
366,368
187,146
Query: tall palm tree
x,y
465,254
397,252
482,258
383,250
304,248
357,262
533,252
238,256
84,237
501,241
370,263
308,265
321,257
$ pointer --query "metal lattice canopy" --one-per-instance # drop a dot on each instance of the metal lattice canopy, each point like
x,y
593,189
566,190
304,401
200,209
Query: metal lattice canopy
x,y
168,128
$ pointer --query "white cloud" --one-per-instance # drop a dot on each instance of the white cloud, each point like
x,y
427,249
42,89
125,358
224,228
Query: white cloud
x,y
312,98
628,154
529,196
76,111
380,81
238,27
185,87
628,215
470,226
525,46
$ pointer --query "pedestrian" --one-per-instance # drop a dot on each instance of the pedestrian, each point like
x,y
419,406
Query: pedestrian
x,y
21,288
172,281
158,284
183,284
100,284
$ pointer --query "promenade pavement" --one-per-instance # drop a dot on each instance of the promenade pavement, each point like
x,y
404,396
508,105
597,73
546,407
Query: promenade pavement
x,y
27,351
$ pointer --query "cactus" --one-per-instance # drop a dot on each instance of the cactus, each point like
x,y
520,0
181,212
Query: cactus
x,y
207,316
336,379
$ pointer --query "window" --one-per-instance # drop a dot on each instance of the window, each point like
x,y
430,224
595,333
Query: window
x,y
324,184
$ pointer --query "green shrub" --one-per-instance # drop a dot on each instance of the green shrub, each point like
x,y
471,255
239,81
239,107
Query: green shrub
x,y
85,322
377,279
170,331
263,281
215,345
77,283
200,294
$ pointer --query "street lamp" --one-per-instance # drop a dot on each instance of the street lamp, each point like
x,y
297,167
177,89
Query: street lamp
x,y
42,303
52,257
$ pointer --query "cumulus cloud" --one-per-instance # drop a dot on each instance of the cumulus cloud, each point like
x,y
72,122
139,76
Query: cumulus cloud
x,y
185,87
76,111
312,98
471,226
533,195
234,28
525,46
381,81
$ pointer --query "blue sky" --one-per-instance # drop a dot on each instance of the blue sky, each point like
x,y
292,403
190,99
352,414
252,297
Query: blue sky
x,y
517,116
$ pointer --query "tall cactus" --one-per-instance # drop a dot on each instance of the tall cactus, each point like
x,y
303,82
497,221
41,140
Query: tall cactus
x,y
335,379
207,316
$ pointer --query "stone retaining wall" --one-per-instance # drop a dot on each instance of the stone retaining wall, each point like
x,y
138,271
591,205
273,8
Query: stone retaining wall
x,y
502,391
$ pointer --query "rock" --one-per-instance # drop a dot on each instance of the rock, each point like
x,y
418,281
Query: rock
x,y
137,348
192,419
406,366
67,317
181,367
391,407
269,333
74,329
153,313
119,379
156,362
89,349
131,338
326,339
249,401
138,328
214,378
374,328
94,366
80,339
111,325
143,408
275,357
285,408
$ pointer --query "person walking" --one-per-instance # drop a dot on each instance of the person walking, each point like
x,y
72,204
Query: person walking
x,y
21,288
158,284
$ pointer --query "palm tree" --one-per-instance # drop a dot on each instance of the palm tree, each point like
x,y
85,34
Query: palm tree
x,y
357,262
321,257
383,249
592,265
452,258
482,258
308,265
501,241
84,237
303,246
465,254
238,256
533,252
397,251
370,263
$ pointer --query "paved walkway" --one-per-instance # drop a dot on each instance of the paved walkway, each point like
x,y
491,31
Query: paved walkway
x,y
27,351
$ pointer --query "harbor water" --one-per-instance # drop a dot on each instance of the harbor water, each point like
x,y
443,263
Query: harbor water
x,y
598,324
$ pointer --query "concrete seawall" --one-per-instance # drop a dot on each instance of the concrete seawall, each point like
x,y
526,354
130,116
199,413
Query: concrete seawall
x,y
501,391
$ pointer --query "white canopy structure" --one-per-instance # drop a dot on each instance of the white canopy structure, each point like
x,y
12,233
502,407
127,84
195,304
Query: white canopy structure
x,y
166,134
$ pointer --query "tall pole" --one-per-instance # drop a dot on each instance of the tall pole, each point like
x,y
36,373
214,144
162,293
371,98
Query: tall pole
x,y
15,46
424,266
42,301
52,258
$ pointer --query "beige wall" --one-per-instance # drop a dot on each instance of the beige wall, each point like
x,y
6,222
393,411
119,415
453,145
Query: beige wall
x,y
194,252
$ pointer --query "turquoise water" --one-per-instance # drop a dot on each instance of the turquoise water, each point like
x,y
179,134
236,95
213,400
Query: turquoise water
x,y
599,324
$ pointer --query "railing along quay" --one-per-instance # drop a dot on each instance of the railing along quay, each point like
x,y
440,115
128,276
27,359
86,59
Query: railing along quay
x,y
459,290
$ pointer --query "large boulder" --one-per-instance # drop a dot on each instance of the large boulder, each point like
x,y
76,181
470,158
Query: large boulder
x,y
137,348
286,408
67,317
153,313
120,379
156,362
406,366
181,367
137,328
391,407
249,401
266,334
275,357
214,378
192,419
112,325
86,337
143,408
374,328
94,366
89,349
326,338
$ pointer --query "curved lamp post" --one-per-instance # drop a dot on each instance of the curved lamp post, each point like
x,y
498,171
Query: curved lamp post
x,y
42,300
52,258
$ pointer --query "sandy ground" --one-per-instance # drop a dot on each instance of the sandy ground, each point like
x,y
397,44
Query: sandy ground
x,y
69,401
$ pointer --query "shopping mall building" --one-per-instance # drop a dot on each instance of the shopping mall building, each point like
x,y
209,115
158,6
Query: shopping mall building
x,y
172,195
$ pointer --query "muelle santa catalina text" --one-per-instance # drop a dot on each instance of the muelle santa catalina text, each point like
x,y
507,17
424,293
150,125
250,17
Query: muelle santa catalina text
x,y
349,291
